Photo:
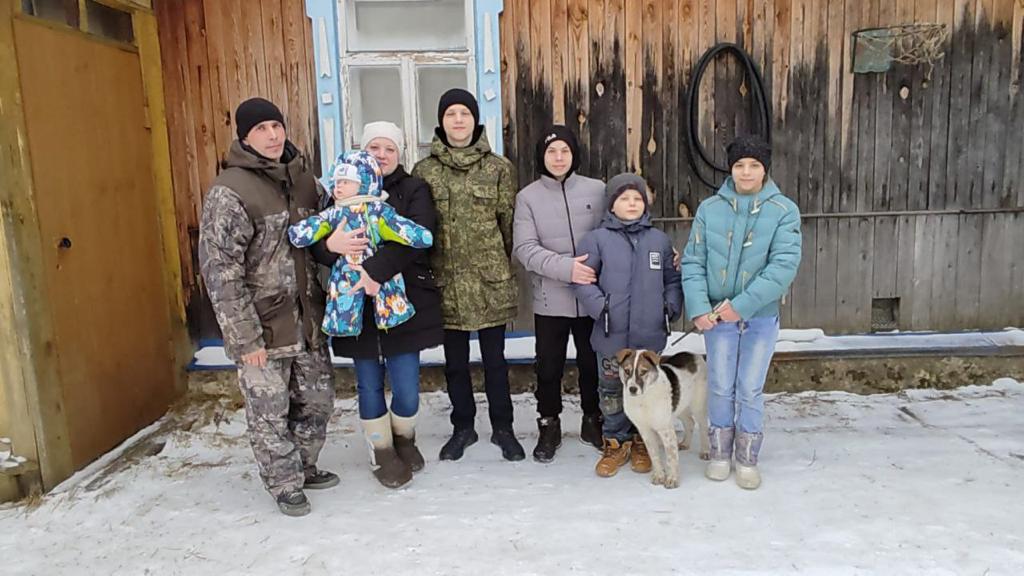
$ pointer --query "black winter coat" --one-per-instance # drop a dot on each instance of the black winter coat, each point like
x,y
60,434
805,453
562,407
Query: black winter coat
x,y
411,198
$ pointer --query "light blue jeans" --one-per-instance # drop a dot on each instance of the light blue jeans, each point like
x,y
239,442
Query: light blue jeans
x,y
739,354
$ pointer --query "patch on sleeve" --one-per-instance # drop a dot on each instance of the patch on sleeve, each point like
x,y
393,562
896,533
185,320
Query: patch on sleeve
x,y
654,260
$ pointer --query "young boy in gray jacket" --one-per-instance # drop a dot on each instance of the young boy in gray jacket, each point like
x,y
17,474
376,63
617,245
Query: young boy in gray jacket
x,y
637,294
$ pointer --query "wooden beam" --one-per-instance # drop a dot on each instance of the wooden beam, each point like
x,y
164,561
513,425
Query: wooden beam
x,y
15,418
559,58
28,363
634,69
509,66
152,80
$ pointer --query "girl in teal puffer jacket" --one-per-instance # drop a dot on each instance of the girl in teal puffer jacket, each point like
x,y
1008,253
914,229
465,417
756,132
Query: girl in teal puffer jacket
x,y
741,257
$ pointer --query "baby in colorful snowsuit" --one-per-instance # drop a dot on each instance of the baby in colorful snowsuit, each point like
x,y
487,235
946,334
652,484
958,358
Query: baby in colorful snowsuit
x,y
359,201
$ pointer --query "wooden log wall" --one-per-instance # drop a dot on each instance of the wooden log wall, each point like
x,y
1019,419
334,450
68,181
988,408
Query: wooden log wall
x,y
908,180
217,53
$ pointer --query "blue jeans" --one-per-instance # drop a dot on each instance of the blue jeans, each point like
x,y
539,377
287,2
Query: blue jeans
x,y
404,375
739,354
609,392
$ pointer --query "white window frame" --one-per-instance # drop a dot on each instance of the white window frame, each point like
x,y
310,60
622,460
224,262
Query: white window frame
x,y
407,62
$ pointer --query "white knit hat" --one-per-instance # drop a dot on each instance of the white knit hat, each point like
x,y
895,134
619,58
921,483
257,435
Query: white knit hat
x,y
383,130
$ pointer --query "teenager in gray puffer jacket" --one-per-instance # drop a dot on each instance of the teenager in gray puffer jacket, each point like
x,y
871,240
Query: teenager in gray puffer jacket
x,y
552,215
638,292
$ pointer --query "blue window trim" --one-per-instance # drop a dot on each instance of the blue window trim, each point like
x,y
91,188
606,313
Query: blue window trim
x,y
488,70
324,16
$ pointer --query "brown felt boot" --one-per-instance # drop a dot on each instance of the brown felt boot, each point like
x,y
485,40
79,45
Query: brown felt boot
x,y
387,467
639,458
613,457
404,429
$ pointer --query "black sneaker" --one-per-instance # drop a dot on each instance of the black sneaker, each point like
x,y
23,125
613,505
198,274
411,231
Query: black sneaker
x,y
456,445
293,503
320,480
590,431
511,449
549,439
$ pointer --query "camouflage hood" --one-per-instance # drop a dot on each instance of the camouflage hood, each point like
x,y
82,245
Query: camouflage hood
x,y
285,171
461,158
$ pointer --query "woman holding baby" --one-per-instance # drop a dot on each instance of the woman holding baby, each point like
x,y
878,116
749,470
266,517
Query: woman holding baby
x,y
391,431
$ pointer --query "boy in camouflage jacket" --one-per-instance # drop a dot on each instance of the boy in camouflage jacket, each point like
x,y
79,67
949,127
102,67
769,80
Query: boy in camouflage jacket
x,y
474,194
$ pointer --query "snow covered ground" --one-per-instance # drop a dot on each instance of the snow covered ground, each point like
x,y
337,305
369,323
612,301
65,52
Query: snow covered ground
x,y
922,482
519,347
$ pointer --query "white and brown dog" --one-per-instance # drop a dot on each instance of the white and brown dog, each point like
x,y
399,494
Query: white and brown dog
x,y
655,392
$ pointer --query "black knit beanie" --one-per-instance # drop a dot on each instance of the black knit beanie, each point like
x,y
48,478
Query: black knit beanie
x,y
554,134
252,112
749,146
457,96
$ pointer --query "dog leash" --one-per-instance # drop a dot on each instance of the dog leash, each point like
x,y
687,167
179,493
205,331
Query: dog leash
x,y
714,315
685,334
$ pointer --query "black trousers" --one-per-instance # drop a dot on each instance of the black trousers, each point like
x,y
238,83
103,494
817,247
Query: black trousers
x,y
552,338
460,385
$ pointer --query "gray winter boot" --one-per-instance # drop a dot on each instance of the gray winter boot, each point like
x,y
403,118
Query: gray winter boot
x,y
748,445
720,444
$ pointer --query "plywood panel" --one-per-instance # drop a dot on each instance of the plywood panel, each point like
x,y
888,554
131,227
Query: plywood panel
x,y
509,64
943,273
968,269
925,232
906,227
957,166
996,294
922,99
825,272
99,228
577,106
803,300
885,259
854,276
559,56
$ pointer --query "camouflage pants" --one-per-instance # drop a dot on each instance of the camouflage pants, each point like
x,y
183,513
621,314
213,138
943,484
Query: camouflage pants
x,y
287,405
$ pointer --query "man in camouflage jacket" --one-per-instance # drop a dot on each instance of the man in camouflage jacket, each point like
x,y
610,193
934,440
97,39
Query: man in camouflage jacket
x,y
268,302
474,193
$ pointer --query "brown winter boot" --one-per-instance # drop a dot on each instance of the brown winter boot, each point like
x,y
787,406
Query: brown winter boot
x,y
387,467
639,458
404,430
613,457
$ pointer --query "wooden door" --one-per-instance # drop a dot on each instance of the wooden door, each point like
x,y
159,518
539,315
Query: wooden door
x,y
91,157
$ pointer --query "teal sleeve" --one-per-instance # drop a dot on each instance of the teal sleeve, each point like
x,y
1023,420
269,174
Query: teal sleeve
x,y
695,269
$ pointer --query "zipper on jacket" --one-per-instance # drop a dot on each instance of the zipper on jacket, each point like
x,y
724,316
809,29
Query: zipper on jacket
x,y
605,313
301,326
728,257
632,274
572,237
